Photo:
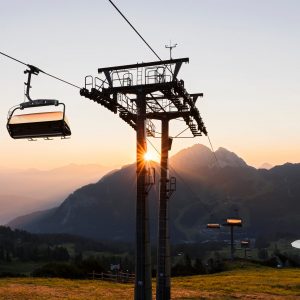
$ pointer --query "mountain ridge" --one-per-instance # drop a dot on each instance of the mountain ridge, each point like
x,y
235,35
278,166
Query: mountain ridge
x,y
41,189
204,189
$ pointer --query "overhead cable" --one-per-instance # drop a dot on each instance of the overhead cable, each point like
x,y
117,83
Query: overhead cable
x,y
134,29
50,75
213,151
17,60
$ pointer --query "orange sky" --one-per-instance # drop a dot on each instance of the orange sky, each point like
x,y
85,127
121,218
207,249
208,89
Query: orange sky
x,y
244,57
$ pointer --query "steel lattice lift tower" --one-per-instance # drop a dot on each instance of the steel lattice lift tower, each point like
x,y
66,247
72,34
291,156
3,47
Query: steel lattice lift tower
x,y
140,93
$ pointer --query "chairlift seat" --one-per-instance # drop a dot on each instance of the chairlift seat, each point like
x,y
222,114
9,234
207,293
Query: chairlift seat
x,y
213,226
233,222
38,125
245,244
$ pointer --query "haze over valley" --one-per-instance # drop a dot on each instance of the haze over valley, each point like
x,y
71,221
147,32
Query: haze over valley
x,y
25,191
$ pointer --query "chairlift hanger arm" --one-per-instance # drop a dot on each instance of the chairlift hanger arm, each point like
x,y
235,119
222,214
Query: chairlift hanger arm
x,y
35,71
39,102
32,70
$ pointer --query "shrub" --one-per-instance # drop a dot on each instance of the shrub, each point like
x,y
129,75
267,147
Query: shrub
x,y
63,270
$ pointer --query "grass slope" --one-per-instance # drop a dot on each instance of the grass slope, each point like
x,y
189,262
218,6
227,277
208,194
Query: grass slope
x,y
252,283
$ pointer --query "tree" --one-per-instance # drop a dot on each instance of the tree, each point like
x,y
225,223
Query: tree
x,y
199,267
60,254
263,254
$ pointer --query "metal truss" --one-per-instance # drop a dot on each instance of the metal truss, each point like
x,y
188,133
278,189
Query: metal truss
x,y
165,95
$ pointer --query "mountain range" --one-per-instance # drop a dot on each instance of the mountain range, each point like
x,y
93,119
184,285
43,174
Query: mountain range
x,y
208,190
25,191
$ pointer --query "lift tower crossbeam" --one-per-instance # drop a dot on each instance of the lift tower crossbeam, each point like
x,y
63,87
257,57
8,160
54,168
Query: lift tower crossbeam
x,y
140,93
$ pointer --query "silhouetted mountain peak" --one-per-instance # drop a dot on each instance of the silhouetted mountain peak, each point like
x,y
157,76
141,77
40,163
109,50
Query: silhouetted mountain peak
x,y
196,150
266,166
228,158
201,156
193,157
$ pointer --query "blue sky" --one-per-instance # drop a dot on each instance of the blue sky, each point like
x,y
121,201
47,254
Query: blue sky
x,y
244,56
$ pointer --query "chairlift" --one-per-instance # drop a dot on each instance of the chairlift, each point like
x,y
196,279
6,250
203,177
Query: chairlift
x,y
233,222
39,124
213,226
245,244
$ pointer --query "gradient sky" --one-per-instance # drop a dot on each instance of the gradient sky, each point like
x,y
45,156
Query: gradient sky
x,y
244,57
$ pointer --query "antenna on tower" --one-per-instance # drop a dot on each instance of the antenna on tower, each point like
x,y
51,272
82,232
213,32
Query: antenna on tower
x,y
170,47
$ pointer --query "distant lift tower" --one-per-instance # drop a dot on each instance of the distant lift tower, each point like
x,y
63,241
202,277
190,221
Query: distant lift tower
x,y
232,222
140,93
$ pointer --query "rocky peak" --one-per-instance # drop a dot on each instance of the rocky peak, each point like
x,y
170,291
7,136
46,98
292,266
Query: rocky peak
x,y
228,158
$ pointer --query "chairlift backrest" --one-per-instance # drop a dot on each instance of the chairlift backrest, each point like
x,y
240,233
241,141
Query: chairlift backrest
x,y
234,222
213,226
245,244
